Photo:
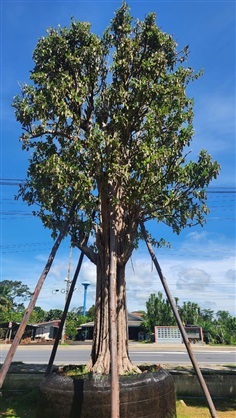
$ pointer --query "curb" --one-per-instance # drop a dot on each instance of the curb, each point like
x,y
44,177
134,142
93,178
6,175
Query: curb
x,y
220,382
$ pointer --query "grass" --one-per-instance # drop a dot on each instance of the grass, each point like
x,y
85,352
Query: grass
x,y
18,406
230,366
197,408
24,405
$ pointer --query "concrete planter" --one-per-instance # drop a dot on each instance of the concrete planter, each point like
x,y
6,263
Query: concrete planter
x,y
143,395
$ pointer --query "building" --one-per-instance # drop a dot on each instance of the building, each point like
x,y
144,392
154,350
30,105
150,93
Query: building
x,y
134,327
46,331
9,330
172,334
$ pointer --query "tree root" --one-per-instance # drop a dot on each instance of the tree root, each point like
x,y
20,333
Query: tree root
x,y
101,367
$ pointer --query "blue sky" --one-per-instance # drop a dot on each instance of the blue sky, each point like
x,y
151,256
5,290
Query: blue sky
x,y
200,266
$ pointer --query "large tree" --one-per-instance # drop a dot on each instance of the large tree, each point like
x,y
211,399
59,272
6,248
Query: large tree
x,y
108,123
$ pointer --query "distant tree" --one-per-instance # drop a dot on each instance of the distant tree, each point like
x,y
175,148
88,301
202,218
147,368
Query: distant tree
x,y
73,321
206,315
108,123
225,328
77,311
53,314
37,315
222,316
159,312
189,313
6,303
12,295
91,313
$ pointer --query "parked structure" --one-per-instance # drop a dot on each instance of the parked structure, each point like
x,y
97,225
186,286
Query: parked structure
x,y
46,330
171,334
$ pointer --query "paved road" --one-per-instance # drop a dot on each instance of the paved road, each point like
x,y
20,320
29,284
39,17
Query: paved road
x,y
77,354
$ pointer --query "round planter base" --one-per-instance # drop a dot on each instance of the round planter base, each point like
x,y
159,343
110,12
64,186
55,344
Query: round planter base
x,y
145,395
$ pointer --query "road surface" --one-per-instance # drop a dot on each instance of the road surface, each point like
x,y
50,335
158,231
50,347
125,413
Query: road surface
x,y
139,353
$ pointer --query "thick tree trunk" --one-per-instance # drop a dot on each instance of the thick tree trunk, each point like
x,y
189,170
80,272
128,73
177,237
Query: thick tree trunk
x,y
100,355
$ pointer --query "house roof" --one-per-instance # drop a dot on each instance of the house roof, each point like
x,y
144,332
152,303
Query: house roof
x,y
135,316
133,321
53,322
5,325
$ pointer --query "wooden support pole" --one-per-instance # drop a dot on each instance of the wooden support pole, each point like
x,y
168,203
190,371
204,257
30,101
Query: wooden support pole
x,y
180,325
21,329
115,403
66,308
115,392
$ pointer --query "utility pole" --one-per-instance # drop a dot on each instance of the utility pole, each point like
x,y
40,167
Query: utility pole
x,y
68,282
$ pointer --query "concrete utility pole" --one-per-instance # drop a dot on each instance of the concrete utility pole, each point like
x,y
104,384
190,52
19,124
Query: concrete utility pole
x,y
63,334
68,282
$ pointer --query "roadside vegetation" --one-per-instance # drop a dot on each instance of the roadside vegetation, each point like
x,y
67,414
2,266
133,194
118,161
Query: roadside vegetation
x,y
218,328
24,406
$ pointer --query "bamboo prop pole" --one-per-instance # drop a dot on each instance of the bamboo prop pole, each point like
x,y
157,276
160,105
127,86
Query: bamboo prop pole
x,y
180,325
115,403
21,329
115,393
66,308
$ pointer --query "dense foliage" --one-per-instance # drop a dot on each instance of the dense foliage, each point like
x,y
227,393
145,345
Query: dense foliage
x,y
12,295
112,109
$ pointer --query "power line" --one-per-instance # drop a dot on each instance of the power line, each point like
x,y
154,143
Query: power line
x,y
11,182
211,189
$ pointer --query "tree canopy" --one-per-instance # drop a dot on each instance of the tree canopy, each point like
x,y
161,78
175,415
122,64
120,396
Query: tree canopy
x,y
109,124
12,295
112,108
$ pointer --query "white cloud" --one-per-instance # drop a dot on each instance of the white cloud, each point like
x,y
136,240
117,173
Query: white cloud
x,y
231,275
88,272
200,269
193,279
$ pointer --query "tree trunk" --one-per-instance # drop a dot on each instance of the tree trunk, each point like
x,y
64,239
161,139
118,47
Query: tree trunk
x,y
100,355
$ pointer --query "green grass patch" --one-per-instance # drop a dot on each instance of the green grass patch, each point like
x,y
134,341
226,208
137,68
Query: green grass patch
x,y
24,406
197,408
230,366
18,405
